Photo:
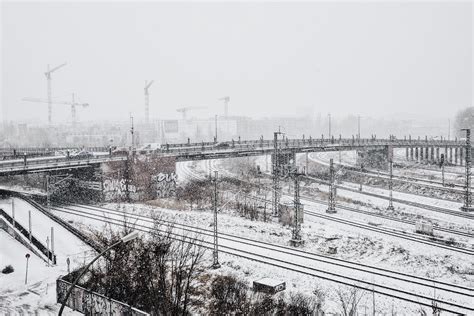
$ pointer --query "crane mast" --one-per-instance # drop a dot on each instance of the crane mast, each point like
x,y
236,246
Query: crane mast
x,y
48,79
147,101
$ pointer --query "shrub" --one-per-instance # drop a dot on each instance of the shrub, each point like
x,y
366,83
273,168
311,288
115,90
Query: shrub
x,y
8,269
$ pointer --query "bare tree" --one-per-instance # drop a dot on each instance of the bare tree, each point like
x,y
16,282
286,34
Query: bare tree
x,y
349,300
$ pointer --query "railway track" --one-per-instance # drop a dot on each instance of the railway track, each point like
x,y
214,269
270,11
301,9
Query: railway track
x,y
394,233
276,255
401,201
404,179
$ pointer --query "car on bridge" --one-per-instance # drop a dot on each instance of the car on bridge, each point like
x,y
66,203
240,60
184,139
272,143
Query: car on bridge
x,y
221,145
82,154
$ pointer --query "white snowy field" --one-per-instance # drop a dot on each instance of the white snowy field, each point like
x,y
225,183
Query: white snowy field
x,y
319,235
413,256
39,294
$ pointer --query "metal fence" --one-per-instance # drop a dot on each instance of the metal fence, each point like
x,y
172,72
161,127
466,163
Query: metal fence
x,y
92,303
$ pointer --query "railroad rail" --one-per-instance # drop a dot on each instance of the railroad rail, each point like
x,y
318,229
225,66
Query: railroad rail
x,y
384,231
242,247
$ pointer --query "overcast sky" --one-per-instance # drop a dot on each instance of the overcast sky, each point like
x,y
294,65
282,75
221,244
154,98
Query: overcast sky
x,y
272,59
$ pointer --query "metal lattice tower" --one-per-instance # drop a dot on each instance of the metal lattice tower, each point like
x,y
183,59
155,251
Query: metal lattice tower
x,y
215,253
467,187
390,185
296,239
276,176
332,189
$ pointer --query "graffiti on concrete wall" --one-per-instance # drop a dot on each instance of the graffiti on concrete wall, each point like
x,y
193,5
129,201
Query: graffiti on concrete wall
x,y
115,189
165,184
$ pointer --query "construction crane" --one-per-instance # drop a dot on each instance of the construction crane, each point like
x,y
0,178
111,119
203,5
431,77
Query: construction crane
x,y
147,108
184,110
73,105
48,78
226,105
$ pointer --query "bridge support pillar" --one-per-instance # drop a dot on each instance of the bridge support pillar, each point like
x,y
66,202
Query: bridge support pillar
x,y
411,153
406,153
432,154
461,155
451,155
421,154
427,156
416,154
437,154
455,155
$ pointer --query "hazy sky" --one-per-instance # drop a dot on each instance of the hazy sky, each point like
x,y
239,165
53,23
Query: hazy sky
x,y
272,59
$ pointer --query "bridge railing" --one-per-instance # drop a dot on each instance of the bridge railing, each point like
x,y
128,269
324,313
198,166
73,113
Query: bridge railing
x,y
57,161
300,143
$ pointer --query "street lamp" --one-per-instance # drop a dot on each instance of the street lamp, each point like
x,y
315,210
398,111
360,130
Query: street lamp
x,y
122,240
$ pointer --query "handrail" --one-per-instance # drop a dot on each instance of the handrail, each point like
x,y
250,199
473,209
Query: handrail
x,y
44,250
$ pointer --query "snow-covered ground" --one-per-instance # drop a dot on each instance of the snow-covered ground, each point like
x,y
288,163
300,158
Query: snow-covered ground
x,y
39,294
319,235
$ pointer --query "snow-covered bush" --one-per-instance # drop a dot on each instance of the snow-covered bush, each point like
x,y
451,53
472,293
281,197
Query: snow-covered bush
x,y
8,269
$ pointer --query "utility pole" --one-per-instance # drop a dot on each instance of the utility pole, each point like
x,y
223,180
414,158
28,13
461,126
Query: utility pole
x,y
131,132
48,78
215,264
276,176
442,168
329,125
390,185
449,129
48,196
332,189
215,126
147,107
358,127
467,193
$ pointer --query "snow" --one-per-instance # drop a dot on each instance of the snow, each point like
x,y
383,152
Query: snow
x,y
40,292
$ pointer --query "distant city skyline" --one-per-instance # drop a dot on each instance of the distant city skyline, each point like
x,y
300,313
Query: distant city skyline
x,y
272,59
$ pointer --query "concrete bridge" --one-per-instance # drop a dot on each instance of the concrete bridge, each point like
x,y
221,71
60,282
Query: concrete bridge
x,y
416,149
